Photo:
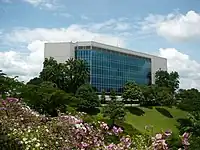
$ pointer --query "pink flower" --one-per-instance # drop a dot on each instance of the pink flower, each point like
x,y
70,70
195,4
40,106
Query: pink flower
x,y
11,99
168,133
186,135
104,126
3,102
120,130
185,139
158,136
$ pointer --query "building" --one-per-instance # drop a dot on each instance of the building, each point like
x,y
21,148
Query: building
x,y
110,67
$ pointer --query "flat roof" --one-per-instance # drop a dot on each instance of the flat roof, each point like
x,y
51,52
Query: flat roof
x,y
115,48
112,48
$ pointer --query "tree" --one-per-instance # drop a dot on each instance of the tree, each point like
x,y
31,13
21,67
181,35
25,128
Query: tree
x,y
2,74
68,76
169,80
88,98
149,93
188,100
133,92
113,95
2,83
103,97
35,81
9,86
164,96
114,110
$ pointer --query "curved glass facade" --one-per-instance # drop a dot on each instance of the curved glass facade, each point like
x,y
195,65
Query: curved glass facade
x,y
111,70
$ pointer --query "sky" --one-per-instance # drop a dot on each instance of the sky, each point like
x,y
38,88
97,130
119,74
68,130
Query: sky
x,y
167,28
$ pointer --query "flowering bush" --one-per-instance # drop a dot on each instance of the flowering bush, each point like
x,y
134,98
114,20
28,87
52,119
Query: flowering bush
x,y
23,128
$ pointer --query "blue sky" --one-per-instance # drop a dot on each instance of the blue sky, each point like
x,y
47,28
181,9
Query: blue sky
x,y
168,28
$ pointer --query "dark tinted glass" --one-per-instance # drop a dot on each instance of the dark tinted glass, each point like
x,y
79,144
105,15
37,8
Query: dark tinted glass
x,y
111,70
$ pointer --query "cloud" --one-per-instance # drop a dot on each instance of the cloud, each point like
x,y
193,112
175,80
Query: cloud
x,y
28,65
84,17
181,27
44,4
188,69
71,33
111,26
174,26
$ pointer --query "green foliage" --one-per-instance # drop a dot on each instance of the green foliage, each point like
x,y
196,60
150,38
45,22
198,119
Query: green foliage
x,y
47,100
128,128
169,80
88,98
133,92
113,95
35,81
68,76
188,100
164,97
47,84
114,110
149,93
174,142
9,86
192,125
155,95
103,97
194,143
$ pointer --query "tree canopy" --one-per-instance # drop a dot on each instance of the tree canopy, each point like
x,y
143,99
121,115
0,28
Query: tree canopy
x,y
169,80
68,76
88,97
132,92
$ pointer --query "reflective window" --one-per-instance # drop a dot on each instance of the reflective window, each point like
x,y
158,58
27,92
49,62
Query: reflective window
x,y
111,70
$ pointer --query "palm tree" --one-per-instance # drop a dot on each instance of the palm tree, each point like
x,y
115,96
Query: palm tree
x,y
78,74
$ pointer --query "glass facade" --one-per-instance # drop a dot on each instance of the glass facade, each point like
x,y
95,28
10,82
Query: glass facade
x,y
111,70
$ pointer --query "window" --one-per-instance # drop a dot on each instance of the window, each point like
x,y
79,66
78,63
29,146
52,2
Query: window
x,y
111,69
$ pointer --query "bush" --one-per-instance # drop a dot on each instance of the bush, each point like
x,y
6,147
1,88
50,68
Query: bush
x,y
48,100
128,129
88,98
114,110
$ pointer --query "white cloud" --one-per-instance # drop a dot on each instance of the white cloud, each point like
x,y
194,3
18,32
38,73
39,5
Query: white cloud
x,y
84,17
44,4
111,25
174,26
188,69
72,33
30,64
181,27
34,2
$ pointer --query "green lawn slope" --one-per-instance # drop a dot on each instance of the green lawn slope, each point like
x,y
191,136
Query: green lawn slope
x,y
161,118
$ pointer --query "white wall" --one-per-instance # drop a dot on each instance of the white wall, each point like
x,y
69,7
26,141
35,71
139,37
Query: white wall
x,y
60,51
156,64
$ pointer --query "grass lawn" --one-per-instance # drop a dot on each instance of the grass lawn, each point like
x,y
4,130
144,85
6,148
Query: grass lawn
x,y
161,118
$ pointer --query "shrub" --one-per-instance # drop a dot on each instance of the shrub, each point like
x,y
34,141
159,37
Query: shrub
x,y
88,98
48,100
